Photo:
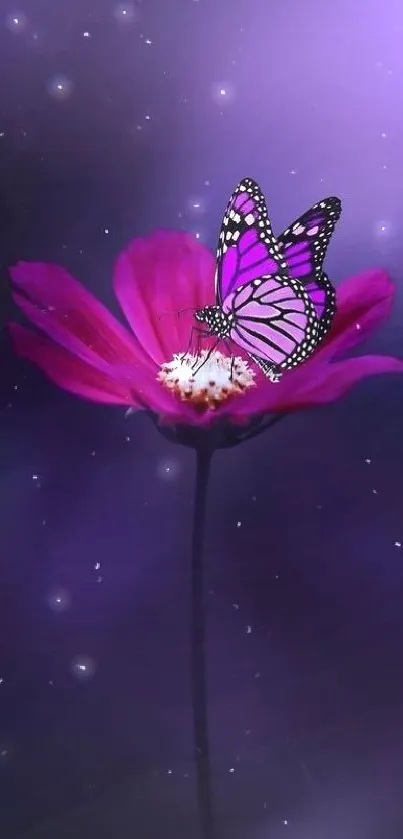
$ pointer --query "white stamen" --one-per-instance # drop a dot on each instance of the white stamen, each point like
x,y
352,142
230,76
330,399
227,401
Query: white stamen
x,y
206,384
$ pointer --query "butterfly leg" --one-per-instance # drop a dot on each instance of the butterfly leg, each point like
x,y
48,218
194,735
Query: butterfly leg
x,y
272,372
274,375
194,331
197,366
229,350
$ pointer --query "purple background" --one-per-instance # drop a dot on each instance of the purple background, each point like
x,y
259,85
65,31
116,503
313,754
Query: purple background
x,y
305,581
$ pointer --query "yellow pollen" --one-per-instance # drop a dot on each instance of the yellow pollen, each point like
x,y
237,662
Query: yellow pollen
x,y
206,384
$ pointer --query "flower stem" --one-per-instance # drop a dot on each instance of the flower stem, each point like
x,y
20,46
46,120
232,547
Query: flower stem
x,y
199,692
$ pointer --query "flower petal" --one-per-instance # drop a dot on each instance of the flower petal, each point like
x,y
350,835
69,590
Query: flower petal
x,y
268,397
156,278
97,382
363,303
337,378
334,380
70,372
325,383
59,305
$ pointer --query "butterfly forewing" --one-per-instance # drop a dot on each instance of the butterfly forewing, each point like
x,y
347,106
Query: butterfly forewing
x,y
303,246
247,248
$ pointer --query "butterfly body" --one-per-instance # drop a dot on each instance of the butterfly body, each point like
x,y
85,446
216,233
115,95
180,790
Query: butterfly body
x,y
272,297
218,322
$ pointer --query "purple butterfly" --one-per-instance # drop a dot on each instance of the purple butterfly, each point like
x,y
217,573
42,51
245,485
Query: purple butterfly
x,y
272,297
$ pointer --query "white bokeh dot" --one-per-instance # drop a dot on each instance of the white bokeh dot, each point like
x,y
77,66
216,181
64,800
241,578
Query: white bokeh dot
x,y
60,87
16,22
59,600
198,233
383,230
168,469
126,13
196,205
223,93
83,668
6,752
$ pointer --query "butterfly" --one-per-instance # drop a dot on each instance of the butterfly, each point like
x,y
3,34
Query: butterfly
x,y
272,297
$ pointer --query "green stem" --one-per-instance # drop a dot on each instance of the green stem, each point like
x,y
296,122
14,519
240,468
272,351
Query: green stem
x,y
199,691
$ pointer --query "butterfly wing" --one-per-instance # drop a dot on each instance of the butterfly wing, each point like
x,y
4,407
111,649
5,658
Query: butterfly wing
x,y
247,248
274,320
303,246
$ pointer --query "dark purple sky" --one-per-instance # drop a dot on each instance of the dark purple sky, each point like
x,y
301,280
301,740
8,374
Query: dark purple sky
x,y
115,120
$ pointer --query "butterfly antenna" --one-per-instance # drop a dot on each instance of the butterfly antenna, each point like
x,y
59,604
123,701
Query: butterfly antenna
x,y
178,312
188,309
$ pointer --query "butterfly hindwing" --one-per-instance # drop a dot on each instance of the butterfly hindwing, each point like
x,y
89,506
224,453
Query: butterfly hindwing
x,y
247,248
303,246
275,322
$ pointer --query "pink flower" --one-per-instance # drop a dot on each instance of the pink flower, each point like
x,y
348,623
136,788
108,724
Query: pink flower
x,y
85,350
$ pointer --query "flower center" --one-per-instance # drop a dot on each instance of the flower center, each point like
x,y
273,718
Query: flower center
x,y
206,383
